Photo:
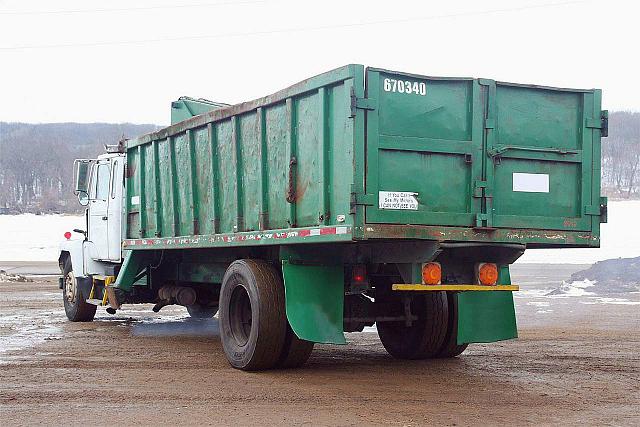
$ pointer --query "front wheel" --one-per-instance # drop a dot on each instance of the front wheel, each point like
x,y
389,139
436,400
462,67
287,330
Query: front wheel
x,y
253,324
75,306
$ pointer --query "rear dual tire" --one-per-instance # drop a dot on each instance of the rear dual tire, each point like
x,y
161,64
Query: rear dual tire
x,y
432,335
199,311
450,346
254,329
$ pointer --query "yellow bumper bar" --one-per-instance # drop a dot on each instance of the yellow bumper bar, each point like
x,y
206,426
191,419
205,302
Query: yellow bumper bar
x,y
416,287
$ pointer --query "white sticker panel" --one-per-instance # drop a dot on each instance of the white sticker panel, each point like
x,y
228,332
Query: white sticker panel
x,y
135,200
531,182
397,200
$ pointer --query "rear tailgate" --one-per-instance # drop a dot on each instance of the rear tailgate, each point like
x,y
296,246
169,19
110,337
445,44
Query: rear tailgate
x,y
474,152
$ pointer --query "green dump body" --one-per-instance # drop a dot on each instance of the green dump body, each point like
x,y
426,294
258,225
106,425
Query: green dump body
x,y
185,108
359,154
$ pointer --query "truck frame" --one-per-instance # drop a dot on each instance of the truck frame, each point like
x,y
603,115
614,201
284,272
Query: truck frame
x,y
353,198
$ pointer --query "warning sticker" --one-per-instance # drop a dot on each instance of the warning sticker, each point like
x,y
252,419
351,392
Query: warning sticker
x,y
397,200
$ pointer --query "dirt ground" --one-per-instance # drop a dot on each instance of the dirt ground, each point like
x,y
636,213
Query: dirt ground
x,y
576,362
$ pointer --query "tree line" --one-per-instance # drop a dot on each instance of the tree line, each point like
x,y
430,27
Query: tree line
x,y
36,160
621,156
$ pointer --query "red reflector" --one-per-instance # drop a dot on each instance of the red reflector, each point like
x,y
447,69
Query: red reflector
x,y
67,235
359,274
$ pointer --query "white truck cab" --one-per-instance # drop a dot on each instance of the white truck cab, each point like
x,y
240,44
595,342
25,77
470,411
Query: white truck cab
x,y
99,185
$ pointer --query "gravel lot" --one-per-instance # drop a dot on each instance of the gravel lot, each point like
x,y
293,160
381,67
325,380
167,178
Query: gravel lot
x,y
576,362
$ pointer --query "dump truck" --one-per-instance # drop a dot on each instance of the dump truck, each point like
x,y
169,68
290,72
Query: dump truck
x,y
355,198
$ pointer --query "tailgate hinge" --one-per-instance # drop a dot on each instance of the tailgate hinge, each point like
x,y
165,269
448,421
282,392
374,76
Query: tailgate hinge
x,y
362,200
601,123
603,210
478,187
592,210
597,210
360,103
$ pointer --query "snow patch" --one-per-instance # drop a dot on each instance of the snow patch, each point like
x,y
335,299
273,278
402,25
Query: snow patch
x,y
572,289
606,300
8,277
531,293
539,303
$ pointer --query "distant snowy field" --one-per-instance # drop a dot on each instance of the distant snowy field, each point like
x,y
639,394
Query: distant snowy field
x,y
620,238
31,237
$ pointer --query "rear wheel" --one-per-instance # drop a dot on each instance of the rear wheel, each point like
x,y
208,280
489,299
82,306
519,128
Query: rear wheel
x,y
295,351
450,347
253,324
75,306
199,311
425,337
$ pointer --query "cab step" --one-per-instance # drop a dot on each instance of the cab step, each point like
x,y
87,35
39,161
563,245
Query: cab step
x,y
106,282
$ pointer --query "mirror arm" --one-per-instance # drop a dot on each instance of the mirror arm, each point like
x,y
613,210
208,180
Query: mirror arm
x,y
83,232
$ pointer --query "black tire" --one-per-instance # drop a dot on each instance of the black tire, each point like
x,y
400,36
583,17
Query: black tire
x,y
295,352
75,306
424,338
253,324
450,347
198,311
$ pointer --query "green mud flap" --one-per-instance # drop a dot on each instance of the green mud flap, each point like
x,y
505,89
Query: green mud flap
x,y
315,301
134,263
486,317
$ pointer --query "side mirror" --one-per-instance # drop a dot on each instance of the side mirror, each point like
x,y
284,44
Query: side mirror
x,y
82,168
83,198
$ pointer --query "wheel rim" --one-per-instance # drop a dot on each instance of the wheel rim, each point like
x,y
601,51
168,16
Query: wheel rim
x,y
70,287
240,317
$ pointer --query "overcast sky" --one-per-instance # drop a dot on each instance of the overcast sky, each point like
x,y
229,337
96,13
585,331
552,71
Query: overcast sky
x,y
116,61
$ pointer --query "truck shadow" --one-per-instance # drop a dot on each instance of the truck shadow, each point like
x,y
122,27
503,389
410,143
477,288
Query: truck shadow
x,y
363,351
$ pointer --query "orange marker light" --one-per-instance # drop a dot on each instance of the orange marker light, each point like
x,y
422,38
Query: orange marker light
x,y
487,273
431,273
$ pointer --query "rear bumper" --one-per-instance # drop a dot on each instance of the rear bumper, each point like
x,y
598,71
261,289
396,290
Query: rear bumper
x,y
454,288
531,237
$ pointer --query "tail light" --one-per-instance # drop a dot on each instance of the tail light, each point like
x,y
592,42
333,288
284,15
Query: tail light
x,y
487,273
431,273
67,235
359,275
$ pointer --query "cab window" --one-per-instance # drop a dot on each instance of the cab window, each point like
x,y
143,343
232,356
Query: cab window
x,y
102,181
114,171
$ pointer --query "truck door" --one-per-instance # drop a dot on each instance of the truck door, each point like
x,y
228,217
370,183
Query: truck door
x,y
543,157
114,222
424,149
98,209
